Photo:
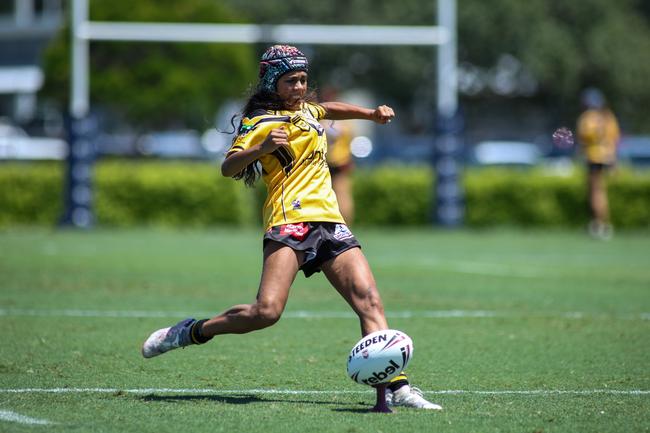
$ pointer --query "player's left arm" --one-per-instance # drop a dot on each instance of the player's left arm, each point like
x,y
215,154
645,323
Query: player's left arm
x,y
342,111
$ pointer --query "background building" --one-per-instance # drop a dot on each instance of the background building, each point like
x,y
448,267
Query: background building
x,y
26,26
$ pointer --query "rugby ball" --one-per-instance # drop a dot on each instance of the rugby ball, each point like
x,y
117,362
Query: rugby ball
x,y
379,357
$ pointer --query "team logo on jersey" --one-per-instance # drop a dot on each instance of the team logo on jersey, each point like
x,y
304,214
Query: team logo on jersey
x,y
296,204
245,128
342,232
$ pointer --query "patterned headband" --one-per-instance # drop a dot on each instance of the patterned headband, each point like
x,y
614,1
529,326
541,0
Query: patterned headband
x,y
277,61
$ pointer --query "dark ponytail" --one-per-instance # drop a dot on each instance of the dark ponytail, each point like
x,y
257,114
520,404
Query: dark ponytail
x,y
259,102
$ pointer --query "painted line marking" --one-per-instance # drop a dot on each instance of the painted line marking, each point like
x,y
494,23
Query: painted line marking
x,y
533,392
304,314
7,415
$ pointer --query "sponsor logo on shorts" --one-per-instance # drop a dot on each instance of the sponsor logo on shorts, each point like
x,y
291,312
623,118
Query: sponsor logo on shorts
x,y
342,232
296,231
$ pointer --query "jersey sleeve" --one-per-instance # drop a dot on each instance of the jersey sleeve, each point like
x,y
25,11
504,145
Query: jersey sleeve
x,y
254,130
318,111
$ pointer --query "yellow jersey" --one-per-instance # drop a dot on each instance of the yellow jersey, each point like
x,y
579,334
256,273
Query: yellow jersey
x,y
599,134
297,178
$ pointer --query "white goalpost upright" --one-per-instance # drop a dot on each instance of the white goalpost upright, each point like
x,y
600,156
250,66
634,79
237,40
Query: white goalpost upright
x,y
84,31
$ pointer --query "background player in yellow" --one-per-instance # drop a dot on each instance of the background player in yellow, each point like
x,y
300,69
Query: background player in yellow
x,y
281,139
598,134
340,159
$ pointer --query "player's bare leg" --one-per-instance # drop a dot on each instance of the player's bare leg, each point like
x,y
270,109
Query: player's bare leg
x,y
350,274
281,264
600,226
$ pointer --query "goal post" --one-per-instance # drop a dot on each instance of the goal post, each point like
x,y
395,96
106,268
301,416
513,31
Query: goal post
x,y
84,31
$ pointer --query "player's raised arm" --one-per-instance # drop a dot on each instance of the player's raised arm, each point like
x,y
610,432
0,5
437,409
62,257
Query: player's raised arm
x,y
342,111
235,162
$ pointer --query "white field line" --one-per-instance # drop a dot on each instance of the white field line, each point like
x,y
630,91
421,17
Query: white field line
x,y
303,314
532,392
7,415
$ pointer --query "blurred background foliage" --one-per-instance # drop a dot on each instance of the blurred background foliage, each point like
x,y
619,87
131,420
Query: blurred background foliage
x,y
556,48
194,194
157,85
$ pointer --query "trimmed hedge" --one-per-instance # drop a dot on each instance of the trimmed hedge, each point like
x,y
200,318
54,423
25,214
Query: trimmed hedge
x,y
170,194
30,193
540,198
131,193
128,193
393,195
402,195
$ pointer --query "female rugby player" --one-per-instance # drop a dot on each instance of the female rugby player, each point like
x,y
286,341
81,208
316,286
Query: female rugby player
x,y
281,140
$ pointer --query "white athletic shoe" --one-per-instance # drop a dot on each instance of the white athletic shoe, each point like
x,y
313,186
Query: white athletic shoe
x,y
408,396
601,231
166,339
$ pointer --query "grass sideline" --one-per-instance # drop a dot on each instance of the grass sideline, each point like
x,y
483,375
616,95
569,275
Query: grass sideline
x,y
514,331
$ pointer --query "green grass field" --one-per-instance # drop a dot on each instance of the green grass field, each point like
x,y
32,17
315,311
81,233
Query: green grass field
x,y
514,332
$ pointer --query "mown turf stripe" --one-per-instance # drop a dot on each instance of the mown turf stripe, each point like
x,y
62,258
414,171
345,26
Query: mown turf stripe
x,y
303,314
532,392
7,415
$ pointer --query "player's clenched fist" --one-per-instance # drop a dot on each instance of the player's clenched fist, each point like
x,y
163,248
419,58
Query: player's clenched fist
x,y
383,114
276,138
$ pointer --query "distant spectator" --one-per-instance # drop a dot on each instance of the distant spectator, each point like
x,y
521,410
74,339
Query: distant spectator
x,y
598,134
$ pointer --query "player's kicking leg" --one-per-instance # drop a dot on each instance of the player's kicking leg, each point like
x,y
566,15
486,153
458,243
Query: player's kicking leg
x,y
182,334
350,274
280,267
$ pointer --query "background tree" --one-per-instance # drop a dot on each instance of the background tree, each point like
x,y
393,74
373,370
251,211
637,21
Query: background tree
x,y
567,46
157,85
563,46
559,48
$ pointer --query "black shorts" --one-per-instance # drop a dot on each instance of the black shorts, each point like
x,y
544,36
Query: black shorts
x,y
598,166
321,241
338,169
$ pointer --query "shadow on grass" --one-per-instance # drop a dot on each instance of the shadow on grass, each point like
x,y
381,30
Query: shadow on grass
x,y
229,399
239,399
353,410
